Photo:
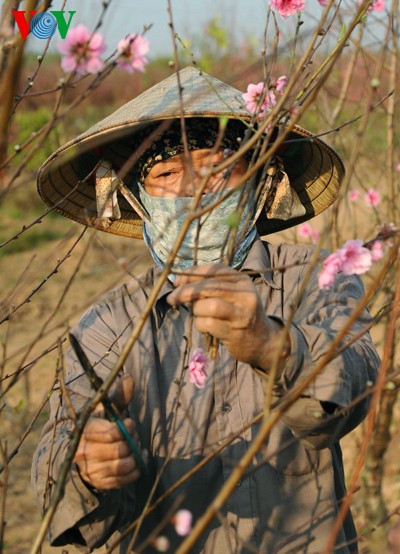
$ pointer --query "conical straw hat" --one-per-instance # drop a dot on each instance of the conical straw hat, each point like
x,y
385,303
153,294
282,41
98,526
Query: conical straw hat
x,y
66,181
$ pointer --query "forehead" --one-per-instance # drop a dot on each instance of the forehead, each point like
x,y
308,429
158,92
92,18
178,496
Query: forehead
x,y
203,155
200,133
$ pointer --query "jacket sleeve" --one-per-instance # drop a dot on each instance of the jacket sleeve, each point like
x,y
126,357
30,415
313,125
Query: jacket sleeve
x,y
321,416
83,517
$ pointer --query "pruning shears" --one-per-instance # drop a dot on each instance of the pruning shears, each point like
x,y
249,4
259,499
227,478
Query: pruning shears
x,y
110,408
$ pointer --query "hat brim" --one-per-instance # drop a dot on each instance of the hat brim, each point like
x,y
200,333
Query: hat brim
x,y
66,181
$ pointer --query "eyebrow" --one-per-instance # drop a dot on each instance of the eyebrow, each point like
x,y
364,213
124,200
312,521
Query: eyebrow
x,y
181,159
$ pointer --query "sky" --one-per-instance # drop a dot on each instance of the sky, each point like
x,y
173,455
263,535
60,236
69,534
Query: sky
x,y
130,16
243,17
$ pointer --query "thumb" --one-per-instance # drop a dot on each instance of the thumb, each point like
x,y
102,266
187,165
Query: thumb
x,y
123,392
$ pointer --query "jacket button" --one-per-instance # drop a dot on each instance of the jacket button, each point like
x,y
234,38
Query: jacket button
x,y
226,407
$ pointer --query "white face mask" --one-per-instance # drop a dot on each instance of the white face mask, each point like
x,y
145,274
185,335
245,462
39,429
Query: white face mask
x,y
208,239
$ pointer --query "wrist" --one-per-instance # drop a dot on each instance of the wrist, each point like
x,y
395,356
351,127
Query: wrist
x,y
275,348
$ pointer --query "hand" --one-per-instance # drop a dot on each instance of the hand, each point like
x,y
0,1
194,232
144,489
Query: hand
x,y
225,304
394,539
103,457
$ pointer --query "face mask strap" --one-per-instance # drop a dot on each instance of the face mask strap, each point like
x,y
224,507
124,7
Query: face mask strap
x,y
133,201
278,199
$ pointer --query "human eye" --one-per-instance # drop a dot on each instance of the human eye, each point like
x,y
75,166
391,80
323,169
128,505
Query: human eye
x,y
165,171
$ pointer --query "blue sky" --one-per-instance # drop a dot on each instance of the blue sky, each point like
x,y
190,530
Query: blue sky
x,y
243,17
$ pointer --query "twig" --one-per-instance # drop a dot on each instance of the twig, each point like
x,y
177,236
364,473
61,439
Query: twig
x,y
389,344
40,285
4,487
28,429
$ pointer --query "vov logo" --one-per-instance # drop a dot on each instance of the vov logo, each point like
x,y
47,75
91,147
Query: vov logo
x,y
44,24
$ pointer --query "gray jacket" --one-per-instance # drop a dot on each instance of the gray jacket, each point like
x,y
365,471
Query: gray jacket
x,y
288,499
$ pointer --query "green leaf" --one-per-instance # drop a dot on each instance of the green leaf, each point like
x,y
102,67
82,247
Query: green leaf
x,y
232,220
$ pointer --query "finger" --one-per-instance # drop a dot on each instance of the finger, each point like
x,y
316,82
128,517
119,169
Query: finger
x,y
218,328
214,308
216,288
109,474
200,272
110,482
106,432
97,453
123,392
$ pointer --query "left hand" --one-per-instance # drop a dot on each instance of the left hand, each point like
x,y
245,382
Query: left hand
x,y
226,305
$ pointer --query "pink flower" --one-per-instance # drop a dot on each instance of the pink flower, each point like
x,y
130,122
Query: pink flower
x,y
372,198
82,50
258,98
322,3
378,6
183,522
132,53
197,368
285,8
352,258
398,167
354,195
307,232
281,83
355,258
377,251
304,230
331,267
269,102
252,98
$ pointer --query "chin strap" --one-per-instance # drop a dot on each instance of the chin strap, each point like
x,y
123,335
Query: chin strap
x,y
108,185
277,198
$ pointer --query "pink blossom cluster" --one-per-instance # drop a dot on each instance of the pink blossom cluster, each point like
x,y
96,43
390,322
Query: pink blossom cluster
x,y
305,231
197,368
259,99
132,53
372,197
82,51
354,258
286,8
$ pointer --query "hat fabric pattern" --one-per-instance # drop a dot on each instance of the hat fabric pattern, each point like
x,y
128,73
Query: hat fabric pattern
x,y
67,180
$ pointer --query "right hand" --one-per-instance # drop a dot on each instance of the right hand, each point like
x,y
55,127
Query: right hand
x,y
103,457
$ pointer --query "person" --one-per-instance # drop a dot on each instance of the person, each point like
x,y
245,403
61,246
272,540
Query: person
x,y
177,149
